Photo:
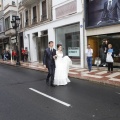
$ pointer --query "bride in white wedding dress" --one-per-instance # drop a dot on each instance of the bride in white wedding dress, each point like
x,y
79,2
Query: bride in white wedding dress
x,y
62,67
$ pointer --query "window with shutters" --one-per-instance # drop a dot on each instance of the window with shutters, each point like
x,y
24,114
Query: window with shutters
x,y
44,11
21,20
13,2
7,23
26,14
34,14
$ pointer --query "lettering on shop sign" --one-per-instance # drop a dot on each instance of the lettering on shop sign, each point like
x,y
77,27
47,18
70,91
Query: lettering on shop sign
x,y
73,51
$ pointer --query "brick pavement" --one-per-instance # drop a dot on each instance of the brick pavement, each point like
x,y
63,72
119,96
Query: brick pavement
x,y
100,76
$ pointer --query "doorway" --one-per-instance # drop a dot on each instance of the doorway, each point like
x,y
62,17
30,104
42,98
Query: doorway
x,y
42,45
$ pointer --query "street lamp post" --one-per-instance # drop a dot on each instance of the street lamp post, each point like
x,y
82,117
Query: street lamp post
x,y
15,24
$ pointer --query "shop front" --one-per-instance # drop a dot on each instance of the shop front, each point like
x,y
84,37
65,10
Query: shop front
x,y
102,22
69,37
97,42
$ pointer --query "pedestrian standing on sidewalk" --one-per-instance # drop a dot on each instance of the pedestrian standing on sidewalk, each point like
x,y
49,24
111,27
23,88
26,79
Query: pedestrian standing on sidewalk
x,y
5,55
23,54
26,54
109,58
105,48
14,54
89,52
2,54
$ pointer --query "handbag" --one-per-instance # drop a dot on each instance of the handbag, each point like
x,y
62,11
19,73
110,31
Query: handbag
x,y
109,57
97,61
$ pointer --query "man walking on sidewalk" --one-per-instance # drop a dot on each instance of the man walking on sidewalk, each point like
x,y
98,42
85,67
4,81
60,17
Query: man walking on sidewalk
x,y
89,53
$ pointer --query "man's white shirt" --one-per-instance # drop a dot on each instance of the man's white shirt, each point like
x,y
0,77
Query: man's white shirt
x,y
89,52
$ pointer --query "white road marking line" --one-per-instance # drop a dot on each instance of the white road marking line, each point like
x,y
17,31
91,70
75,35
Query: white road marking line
x,y
52,98
101,73
118,93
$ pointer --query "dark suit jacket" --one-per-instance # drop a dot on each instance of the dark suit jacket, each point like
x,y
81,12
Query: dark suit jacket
x,y
48,57
111,14
118,5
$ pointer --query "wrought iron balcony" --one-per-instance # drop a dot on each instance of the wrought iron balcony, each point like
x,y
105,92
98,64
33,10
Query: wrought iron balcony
x,y
20,4
20,26
26,23
43,17
34,20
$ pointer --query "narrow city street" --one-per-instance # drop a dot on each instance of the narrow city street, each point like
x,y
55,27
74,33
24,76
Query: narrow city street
x,y
25,96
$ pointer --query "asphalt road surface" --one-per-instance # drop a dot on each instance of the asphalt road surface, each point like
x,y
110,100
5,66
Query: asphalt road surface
x,y
24,95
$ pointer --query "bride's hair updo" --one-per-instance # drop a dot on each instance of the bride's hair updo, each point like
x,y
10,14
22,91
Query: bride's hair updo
x,y
58,45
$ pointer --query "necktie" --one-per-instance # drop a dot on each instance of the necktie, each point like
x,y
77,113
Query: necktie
x,y
51,51
110,5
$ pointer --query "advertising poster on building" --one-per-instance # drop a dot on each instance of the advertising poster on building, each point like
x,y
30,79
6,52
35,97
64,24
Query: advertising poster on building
x,y
73,51
102,12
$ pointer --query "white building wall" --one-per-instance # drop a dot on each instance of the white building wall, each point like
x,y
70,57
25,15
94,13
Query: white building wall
x,y
11,8
30,41
6,2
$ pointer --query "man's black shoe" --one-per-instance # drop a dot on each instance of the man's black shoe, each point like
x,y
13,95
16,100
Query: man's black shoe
x,y
52,85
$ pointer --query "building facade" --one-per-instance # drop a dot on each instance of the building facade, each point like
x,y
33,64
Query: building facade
x,y
3,38
103,23
60,21
10,9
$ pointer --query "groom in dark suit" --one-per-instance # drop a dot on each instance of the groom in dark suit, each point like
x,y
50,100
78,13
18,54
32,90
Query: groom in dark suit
x,y
49,62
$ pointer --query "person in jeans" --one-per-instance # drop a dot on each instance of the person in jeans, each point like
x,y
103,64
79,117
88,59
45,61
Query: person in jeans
x,y
89,53
110,64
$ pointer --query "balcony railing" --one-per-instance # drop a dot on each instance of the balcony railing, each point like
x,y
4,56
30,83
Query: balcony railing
x,y
26,23
20,26
20,4
43,17
34,20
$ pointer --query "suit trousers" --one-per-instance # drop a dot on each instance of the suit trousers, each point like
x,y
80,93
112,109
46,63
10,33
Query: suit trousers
x,y
51,72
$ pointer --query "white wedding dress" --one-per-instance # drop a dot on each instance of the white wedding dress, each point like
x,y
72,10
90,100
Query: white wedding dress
x,y
62,69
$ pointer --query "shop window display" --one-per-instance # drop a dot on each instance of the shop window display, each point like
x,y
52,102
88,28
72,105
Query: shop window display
x,y
100,44
69,37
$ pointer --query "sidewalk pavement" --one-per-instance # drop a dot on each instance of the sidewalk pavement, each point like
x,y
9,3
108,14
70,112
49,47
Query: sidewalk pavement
x,y
96,75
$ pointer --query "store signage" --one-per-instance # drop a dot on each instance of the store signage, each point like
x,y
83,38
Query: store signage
x,y
74,51
102,12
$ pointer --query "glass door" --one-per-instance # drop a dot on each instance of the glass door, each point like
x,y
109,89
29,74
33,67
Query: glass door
x,y
42,45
